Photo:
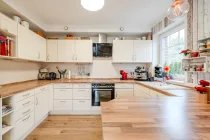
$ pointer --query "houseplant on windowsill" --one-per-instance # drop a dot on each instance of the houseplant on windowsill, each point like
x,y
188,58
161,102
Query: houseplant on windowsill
x,y
186,53
167,69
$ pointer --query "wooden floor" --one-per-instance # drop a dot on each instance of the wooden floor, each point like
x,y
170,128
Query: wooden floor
x,y
68,128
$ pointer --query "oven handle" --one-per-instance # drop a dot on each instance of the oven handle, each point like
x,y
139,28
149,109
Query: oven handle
x,y
102,89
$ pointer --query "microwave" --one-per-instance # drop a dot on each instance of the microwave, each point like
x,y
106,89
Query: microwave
x,y
102,49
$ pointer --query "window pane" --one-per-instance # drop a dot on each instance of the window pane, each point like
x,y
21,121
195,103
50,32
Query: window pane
x,y
174,39
171,47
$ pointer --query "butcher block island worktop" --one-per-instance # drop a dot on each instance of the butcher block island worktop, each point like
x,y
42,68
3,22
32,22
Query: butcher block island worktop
x,y
165,118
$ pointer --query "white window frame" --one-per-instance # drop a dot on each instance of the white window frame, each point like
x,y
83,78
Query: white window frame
x,y
172,31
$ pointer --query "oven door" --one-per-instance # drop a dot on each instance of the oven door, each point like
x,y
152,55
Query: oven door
x,y
101,95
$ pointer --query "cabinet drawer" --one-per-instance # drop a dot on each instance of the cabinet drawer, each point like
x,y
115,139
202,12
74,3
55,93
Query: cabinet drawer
x,y
82,94
81,104
23,95
41,89
23,112
24,125
62,85
82,85
24,103
123,85
62,104
63,94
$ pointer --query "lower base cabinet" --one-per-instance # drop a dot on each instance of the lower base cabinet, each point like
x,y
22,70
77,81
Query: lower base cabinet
x,y
41,105
123,92
81,105
24,125
63,105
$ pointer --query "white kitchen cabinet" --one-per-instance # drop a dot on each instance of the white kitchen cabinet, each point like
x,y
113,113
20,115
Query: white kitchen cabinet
x,y
123,51
50,98
142,51
52,50
30,45
141,91
130,51
75,51
81,105
63,105
82,94
123,93
83,51
8,25
41,105
64,94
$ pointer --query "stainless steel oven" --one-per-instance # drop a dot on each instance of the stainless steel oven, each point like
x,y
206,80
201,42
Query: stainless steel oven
x,y
102,93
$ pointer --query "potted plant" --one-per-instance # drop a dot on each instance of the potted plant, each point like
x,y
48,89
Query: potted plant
x,y
167,69
186,53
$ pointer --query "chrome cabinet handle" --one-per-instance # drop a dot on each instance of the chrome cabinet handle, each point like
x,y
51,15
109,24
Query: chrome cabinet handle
x,y
48,57
38,55
135,57
82,101
26,95
76,56
36,101
62,90
26,118
26,103
62,101
132,58
73,57
26,111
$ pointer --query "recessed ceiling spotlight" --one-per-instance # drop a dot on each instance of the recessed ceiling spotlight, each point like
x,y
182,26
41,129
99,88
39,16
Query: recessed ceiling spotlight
x,y
66,27
121,28
92,5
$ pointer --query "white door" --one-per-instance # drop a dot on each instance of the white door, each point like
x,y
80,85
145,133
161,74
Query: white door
x,y
41,105
142,51
70,50
84,51
61,50
123,92
52,50
123,51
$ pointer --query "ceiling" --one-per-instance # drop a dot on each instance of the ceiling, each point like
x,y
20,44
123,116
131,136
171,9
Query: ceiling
x,y
53,15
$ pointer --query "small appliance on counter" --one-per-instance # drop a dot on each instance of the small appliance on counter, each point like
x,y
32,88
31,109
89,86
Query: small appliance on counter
x,y
62,73
43,74
141,74
158,71
51,76
124,75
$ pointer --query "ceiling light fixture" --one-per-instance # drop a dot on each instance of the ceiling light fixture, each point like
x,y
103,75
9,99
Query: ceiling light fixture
x,y
178,10
92,5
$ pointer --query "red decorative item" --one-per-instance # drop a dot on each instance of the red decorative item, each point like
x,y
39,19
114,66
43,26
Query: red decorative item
x,y
124,75
194,54
185,51
202,89
3,46
204,83
166,69
167,78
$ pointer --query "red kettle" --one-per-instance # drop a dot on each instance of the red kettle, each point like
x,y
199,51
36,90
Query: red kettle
x,y
124,75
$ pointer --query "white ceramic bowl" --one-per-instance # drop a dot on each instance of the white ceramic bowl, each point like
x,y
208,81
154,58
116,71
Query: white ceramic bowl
x,y
16,19
24,23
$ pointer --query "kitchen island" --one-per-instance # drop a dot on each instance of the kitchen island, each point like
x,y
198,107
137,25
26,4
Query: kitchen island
x,y
165,118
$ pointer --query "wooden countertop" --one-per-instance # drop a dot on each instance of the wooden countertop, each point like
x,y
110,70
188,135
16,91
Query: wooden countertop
x,y
11,89
163,118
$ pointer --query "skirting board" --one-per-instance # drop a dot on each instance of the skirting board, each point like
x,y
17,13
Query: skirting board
x,y
66,112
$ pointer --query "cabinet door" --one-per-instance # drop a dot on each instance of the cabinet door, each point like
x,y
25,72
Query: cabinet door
x,y
41,105
70,50
8,25
84,51
141,91
142,51
123,51
42,45
23,41
52,50
61,51
123,92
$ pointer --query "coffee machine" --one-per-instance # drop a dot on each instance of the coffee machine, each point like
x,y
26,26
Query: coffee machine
x,y
141,74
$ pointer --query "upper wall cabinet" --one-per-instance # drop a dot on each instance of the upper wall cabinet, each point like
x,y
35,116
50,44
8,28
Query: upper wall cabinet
x,y
132,51
52,50
8,25
30,45
69,51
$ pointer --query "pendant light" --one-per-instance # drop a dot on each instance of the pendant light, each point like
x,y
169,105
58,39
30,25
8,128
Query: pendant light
x,y
92,5
178,10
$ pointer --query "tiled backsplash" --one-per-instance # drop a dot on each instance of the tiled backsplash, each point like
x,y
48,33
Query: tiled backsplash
x,y
98,69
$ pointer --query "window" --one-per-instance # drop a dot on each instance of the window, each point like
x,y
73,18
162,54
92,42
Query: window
x,y
171,45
